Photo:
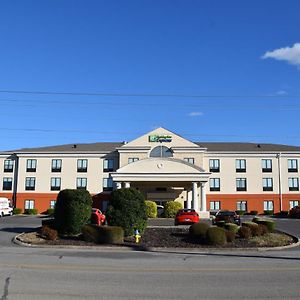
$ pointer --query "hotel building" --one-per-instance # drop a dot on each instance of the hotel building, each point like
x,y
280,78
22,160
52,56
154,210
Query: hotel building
x,y
162,165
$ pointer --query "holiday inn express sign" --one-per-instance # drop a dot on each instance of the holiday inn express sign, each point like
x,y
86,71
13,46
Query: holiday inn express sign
x,y
160,138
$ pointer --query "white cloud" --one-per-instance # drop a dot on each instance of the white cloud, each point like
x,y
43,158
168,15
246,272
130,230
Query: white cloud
x,y
289,54
195,114
281,93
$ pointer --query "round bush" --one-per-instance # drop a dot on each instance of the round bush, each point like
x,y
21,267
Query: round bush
x,y
231,227
171,209
72,211
50,211
244,232
151,209
263,229
230,236
294,212
199,230
128,210
31,211
17,211
255,231
269,223
216,236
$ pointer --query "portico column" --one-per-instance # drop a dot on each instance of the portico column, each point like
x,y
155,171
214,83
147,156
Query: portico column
x,y
118,185
203,197
195,196
189,199
127,185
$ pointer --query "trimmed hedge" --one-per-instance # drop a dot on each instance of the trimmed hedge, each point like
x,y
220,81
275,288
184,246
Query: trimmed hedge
x,y
151,209
17,211
294,212
103,234
72,211
49,233
255,231
231,227
216,236
241,212
268,223
230,236
50,211
268,212
244,232
253,212
31,211
199,230
171,209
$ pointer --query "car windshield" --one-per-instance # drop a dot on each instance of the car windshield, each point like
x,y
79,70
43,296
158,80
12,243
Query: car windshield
x,y
226,213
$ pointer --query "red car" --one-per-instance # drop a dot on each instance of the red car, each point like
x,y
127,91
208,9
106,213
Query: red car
x,y
97,217
186,216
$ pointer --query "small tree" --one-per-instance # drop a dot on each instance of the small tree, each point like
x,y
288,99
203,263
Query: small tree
x,y
72,211
128,210
171,209
151,209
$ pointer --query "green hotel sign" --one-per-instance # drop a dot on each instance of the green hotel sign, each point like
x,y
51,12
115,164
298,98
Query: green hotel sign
x,y
160,138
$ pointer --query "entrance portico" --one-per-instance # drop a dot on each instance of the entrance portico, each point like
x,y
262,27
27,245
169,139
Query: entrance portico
x,y
181,180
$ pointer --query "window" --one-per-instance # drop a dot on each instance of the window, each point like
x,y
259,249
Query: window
x,y
241,184
267,184
107,184
108,165
214,165
292,165
82,165
293,184
30,183
241,205
81,183
7,184
132,159
214,205
190,160
56,165
294,203
29,204
8,166
31,165
55,183
240,165
52,203
214,184
268,205
266,165
161,151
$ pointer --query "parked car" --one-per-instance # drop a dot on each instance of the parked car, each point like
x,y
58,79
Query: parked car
x,y
227,216
186,216
97,217
5,207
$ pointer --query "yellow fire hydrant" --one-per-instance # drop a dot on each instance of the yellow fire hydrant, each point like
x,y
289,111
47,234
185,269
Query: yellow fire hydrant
x,y
137,236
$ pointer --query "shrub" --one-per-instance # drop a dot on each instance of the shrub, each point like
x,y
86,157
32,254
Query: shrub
x,y
244,232
268,212
50,211
72,211
230,236
103,234
263,229
49,223
282,214
216,236
151,209
49,233
253,212
31,211
268,223
199,230
241,212
221,223
253,227
171,209
295,212
128,210
231,227
17,211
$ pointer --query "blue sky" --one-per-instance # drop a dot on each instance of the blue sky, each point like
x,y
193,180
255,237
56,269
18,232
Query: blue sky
x,y
208,70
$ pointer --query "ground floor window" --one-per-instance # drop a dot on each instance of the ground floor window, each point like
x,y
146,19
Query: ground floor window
x,y
81,183
29,204
214,205
52,203
294,203
268,205
241,205
107,184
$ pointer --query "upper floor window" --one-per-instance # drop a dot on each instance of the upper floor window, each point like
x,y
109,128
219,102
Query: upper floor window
x,y
81,183
55,183
241,184
8,166
267,184
190,160
30,183
266,165
293,184
31,165
82,165
292,165
132,159
214,184
161,151
240,165
108,165
107,184
214,165
7,183
56,165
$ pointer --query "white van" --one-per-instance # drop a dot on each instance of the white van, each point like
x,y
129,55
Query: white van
x,y
5,207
